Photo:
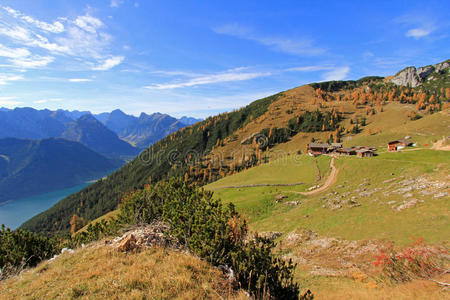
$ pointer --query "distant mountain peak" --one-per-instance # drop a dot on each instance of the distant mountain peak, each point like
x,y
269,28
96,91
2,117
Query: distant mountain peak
x,y
88,117
117,112
189,120
92,133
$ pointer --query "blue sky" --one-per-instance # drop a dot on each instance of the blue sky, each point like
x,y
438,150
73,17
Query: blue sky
x,y
198,58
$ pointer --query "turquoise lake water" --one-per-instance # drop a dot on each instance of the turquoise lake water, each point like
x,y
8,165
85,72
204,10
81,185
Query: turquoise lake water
x,y
16,212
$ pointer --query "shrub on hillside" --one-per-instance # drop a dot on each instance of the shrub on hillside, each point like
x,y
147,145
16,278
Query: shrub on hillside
x,y
417,261
96,231
20,248
262,272
215,233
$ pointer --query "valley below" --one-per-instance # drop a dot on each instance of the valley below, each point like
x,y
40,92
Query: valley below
x,y
15,212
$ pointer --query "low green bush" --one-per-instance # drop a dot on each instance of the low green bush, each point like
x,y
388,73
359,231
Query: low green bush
x,y
23,248
215,233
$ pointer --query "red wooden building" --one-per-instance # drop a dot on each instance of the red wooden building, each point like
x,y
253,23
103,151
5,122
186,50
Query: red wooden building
x,y
399,144
318,148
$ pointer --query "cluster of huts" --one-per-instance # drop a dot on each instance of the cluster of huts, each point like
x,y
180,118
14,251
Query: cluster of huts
x,y
315,149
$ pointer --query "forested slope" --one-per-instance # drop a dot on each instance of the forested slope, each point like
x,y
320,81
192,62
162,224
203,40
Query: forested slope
x,y
157,162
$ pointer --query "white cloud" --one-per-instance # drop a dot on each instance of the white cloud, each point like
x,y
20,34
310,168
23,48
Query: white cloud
x,y
13,52
418,33
25,37
175,73
421,24
336,74
6,78
228,76
82,38
79,79
40,101
8,102
309,68
34,61
295,46
84,44
116,3
55,27
88,23
109,63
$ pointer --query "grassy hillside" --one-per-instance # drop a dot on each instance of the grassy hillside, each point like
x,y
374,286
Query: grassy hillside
x,y
354,173
385,202
354,112
155,273
374,218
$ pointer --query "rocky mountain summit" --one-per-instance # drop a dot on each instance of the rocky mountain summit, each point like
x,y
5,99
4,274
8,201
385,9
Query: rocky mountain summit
x,y
413,77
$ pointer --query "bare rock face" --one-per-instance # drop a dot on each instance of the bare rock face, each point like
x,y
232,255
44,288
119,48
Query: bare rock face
x,y
413,77
407,77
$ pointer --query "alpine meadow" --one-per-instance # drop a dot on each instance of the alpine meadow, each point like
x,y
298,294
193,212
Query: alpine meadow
x,y
334,184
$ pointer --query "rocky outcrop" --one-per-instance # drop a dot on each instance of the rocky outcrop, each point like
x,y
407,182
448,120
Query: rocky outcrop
x,y
151,235
128,244
413,77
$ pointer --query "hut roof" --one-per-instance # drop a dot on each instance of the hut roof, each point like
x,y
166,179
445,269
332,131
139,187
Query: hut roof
x,y
318,145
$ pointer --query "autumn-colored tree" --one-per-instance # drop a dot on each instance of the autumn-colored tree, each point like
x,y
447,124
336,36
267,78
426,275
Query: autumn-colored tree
x,y
76,223
391,96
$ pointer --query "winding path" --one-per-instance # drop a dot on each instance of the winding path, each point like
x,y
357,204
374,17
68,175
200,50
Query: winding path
x,y
329,182
257,185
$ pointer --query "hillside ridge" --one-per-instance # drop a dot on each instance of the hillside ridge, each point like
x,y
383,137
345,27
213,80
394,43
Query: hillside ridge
x,y
215,147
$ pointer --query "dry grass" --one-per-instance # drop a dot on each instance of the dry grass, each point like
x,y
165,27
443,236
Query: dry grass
x,y
105,273
338,288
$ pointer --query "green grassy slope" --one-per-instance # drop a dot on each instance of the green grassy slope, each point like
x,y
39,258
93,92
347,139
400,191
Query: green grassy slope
x,y
374,218
258,203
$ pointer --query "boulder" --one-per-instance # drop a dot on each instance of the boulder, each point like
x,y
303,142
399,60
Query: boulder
x,y
128,244
278,198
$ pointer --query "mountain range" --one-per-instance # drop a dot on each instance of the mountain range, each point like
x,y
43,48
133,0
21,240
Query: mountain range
x,y
29,167
92,133
144,130
114,134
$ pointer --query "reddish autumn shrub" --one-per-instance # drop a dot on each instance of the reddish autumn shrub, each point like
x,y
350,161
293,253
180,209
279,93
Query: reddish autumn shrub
x,y
416,261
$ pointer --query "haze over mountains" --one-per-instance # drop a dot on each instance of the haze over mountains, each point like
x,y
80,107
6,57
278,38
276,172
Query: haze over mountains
x,y
144,130
44,150
90,132
29,167
102,132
